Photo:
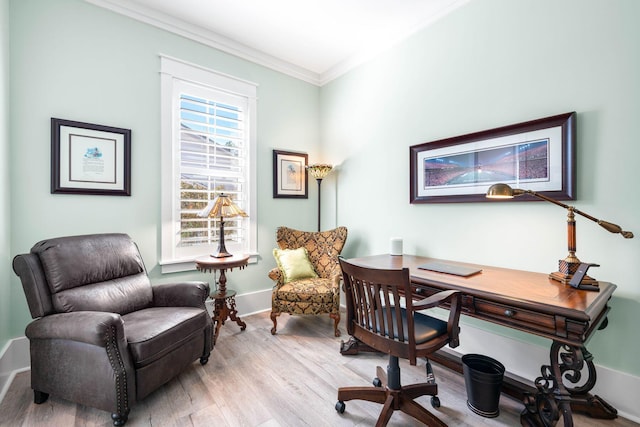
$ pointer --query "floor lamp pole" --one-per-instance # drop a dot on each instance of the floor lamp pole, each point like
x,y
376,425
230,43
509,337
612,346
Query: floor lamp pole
x,y
319,200
319,171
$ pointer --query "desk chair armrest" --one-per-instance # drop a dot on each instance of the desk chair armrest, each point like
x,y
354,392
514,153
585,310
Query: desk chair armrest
x,y
455,300
183,294
435,300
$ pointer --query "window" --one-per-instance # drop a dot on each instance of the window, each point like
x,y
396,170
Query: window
x,y
208,146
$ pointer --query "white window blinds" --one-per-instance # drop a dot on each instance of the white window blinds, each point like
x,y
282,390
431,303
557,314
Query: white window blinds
x,y
211,153
212,161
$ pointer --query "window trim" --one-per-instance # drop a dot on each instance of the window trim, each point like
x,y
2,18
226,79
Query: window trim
x,y
173,71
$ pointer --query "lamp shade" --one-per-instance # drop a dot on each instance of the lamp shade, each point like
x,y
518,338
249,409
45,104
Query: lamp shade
x,y
500,191
222,207
319,171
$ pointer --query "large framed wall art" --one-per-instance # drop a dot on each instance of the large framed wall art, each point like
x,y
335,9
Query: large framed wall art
x,y
537,155
90,159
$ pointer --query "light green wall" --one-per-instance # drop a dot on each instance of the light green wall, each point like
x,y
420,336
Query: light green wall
x,y
5,258
73,60
488,64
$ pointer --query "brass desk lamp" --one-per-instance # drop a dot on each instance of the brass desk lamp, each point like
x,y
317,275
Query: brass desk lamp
x,y
568,266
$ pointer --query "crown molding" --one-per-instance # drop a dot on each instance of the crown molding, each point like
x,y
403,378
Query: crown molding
x,y
232,47
367,55
206,37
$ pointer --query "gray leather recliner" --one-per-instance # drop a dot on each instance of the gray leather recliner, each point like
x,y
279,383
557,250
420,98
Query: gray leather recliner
x,y
103,335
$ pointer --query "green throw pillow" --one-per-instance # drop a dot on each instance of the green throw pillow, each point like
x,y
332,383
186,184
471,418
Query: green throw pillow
x,y
294,264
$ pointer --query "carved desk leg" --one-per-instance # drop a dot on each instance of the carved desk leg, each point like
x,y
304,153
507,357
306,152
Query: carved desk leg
x,y
555,398
354,346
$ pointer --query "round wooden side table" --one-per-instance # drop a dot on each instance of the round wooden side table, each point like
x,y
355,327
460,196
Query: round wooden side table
x,y
224,306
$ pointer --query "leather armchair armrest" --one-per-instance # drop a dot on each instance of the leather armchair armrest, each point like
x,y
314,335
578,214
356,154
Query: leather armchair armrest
x,y
91,327
182,294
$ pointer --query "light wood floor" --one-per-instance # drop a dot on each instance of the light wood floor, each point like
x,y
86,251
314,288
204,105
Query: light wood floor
x,y
256,379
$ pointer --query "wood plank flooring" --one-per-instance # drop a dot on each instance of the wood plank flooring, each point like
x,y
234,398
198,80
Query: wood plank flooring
x,y
256,379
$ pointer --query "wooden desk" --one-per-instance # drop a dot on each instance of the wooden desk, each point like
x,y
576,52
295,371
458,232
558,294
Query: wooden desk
x,y
224,305
533,303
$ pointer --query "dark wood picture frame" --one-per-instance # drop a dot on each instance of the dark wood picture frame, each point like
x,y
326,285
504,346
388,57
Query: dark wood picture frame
x,y
290,179
88,158
540,155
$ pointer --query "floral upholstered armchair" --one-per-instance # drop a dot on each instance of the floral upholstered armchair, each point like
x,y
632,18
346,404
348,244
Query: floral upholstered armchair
x,y
308,273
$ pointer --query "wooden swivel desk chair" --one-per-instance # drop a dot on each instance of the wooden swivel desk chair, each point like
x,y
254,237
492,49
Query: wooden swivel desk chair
x,y
376,319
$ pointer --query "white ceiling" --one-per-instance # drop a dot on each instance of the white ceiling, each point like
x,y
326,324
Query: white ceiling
x,y
314,40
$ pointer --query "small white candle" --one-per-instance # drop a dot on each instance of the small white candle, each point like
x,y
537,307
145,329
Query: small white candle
x,y
396,246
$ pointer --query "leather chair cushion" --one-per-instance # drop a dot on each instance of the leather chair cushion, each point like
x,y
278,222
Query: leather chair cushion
x,y
69,262
155,332
122,295
425,327
315,290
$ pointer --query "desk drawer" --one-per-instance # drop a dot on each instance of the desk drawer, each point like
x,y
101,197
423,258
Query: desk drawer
x,y
514,316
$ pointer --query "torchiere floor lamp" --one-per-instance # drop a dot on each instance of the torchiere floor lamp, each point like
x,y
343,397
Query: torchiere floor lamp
x,y
319,171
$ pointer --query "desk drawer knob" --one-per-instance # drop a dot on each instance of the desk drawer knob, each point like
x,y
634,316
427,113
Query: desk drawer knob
x,y
509,313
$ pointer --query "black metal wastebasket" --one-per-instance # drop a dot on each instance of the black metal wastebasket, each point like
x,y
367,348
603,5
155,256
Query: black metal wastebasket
x,y
483,380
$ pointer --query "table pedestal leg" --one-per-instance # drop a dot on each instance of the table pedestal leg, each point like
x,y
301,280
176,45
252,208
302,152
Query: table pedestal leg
x,y
233,313
225,307
222,281
224,301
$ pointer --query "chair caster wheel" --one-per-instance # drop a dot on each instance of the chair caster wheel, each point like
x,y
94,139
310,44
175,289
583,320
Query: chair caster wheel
x,y
340,406
435,401
377,382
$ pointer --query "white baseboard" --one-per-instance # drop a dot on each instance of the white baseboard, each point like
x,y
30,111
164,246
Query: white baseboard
x,y
14,358
613,386
248,304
